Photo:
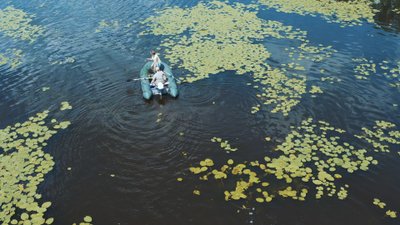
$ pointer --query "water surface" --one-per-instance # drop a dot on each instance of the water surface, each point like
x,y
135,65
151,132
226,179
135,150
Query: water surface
x,y
114,131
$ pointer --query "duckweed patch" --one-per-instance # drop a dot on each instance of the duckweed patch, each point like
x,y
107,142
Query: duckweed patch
x,y
24,165
17,24
347,13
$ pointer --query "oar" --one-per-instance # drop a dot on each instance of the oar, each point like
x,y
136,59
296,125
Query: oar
x,y
136,79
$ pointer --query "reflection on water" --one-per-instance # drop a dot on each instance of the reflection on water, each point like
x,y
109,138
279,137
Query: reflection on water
x,y
388,15
119,159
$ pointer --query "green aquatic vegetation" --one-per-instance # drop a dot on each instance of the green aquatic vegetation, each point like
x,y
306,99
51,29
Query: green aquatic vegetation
x,y
87,220
3,60
379,203
203,166
23,165
289,192
294,66
347,13
391,72
11,57
255,109
203,58
313,53
381,135
314,153
364,68
312,157
392,214
389,69
224,144
214,37
15,23
331,80
196,192
279,90
316,90
65,106
103,25
218,21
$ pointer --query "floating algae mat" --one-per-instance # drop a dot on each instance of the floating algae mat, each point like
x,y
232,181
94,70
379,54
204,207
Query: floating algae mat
x,y
24,165
347,13
214,37
313,159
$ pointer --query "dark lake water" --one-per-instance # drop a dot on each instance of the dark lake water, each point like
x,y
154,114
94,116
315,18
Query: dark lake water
x,y
114,131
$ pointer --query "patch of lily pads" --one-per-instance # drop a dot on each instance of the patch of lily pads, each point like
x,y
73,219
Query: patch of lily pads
x,y
365,68
87,220
112,25
213,37
24,165
11,57
346,13
65,106
224,144
381,136
17,24
312,161
390,213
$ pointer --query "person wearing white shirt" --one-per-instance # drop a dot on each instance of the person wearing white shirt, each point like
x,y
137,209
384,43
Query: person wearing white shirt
x,y
156,60
159,77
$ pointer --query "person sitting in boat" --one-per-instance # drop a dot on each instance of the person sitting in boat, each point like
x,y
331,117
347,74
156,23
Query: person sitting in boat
x,y
156,60
159,77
